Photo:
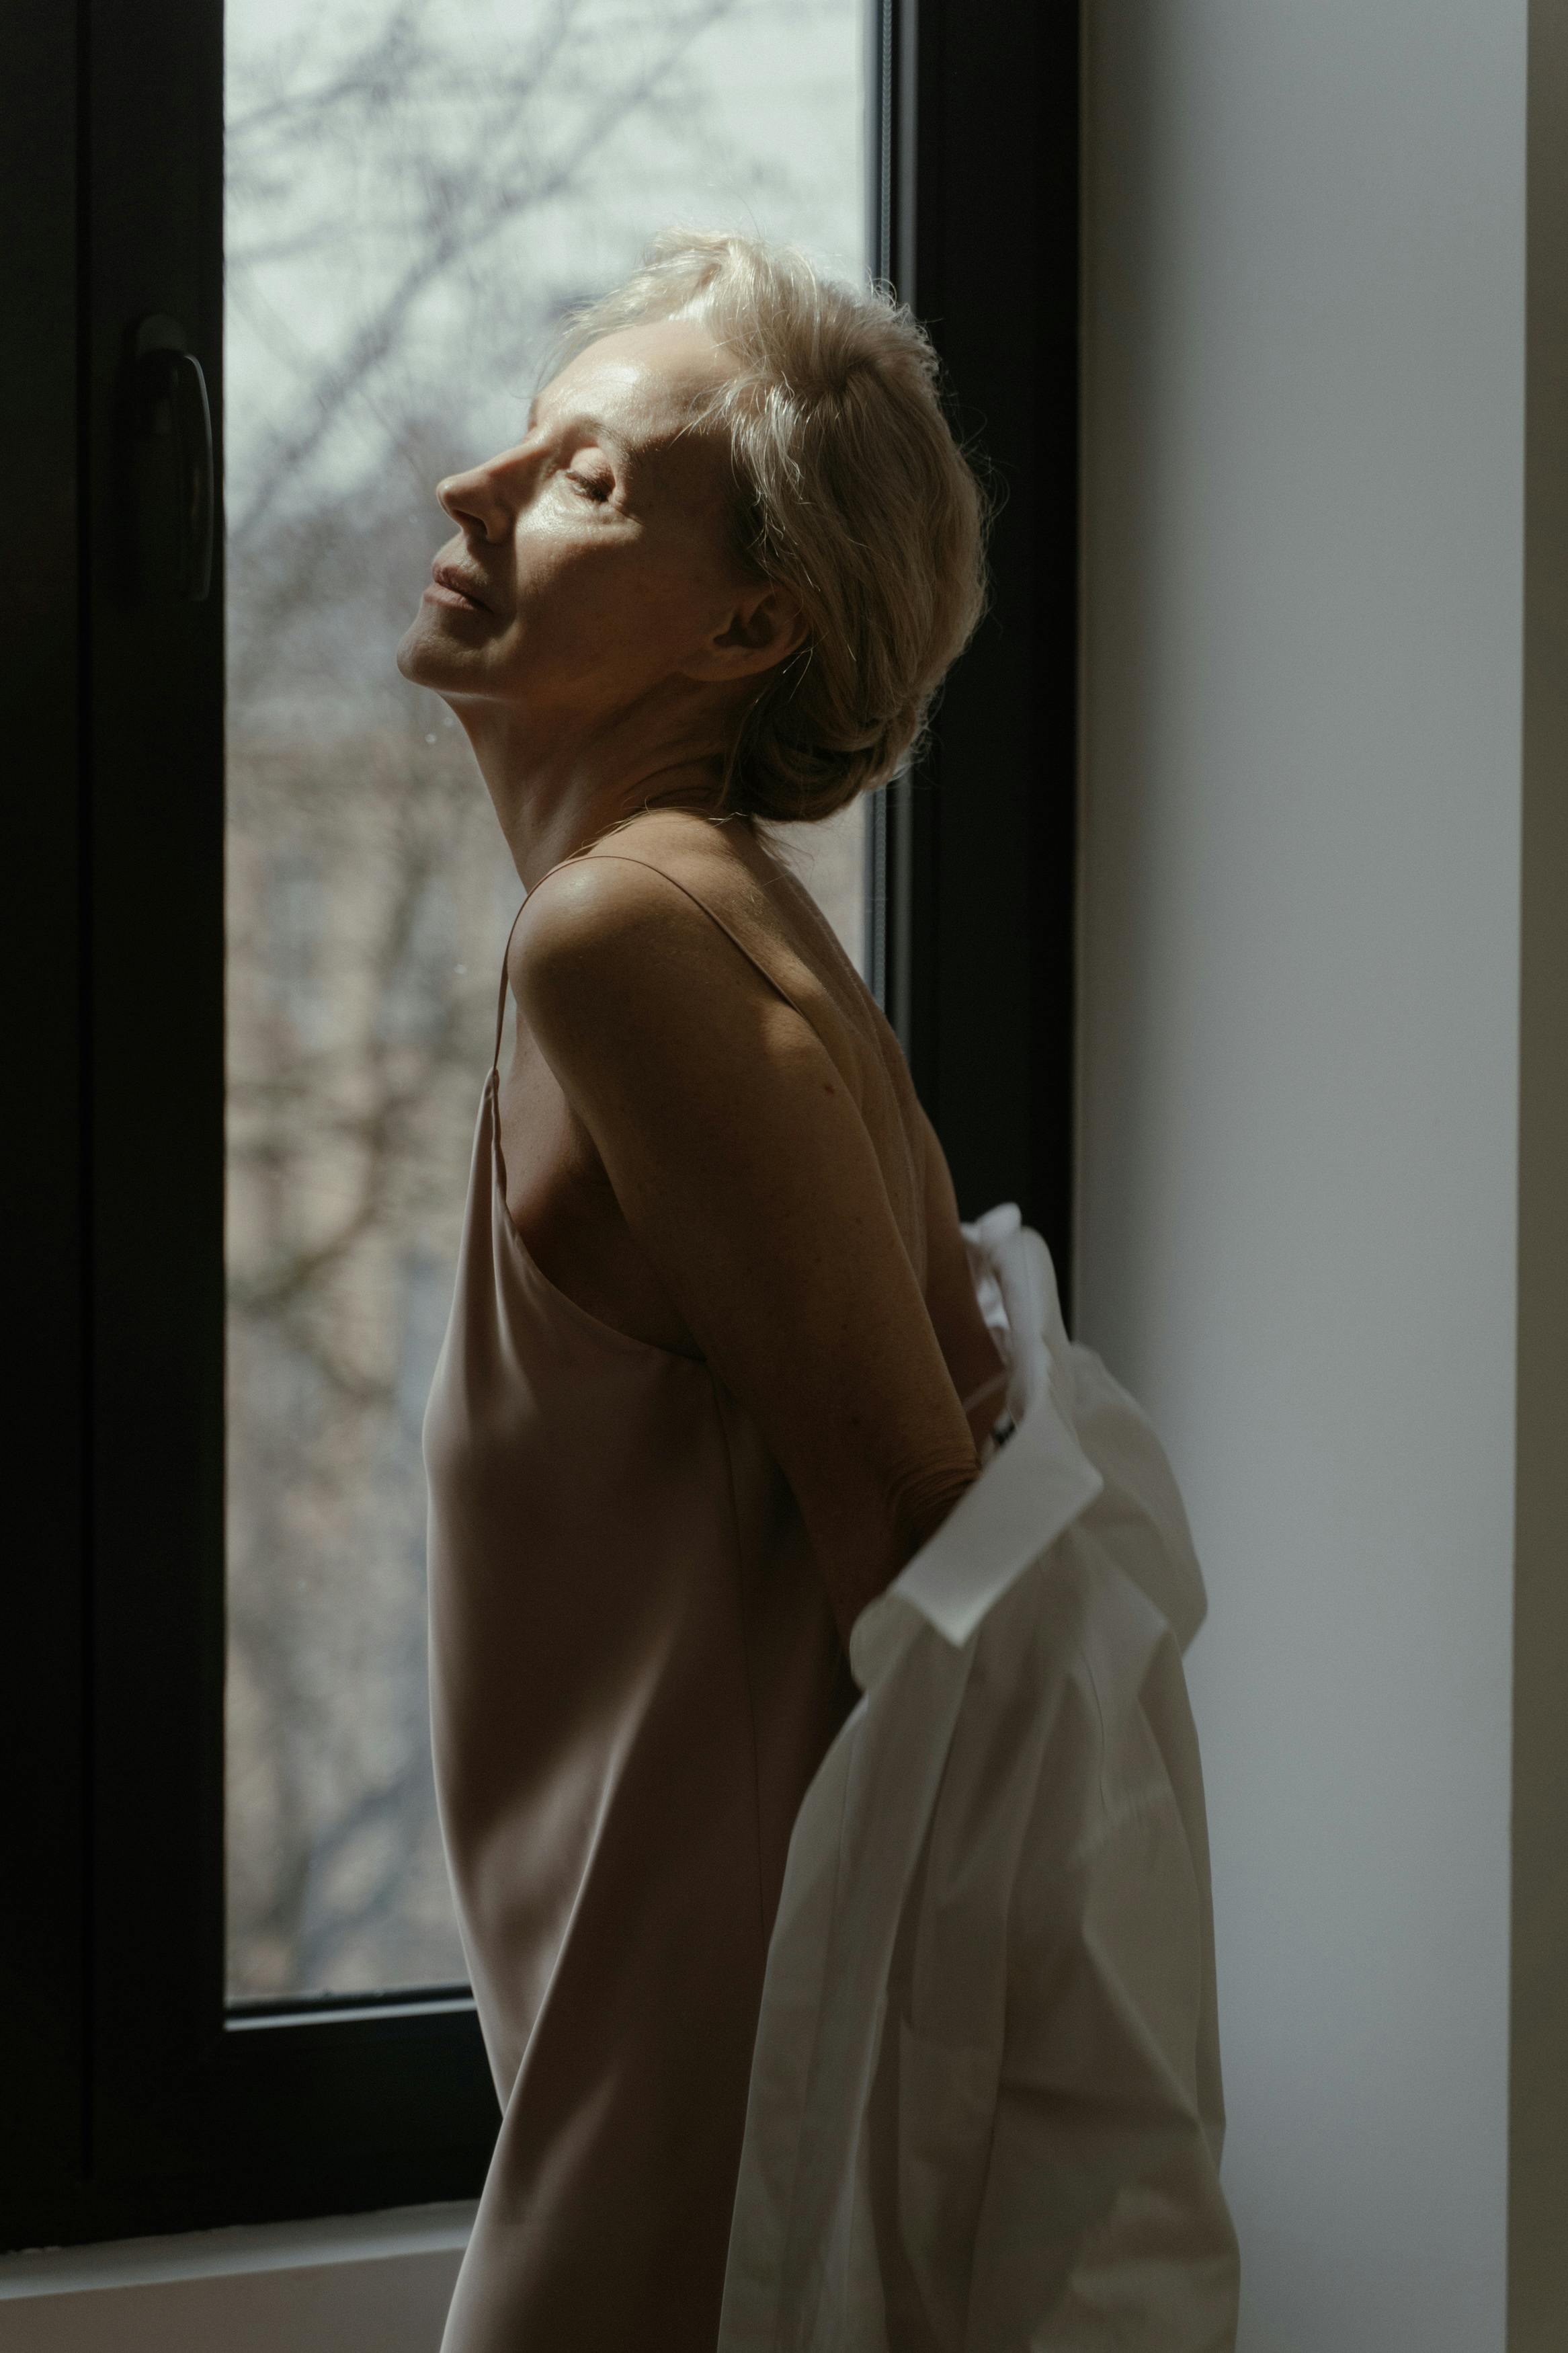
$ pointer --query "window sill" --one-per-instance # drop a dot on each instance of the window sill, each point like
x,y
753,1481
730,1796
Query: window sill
x,y
353,2283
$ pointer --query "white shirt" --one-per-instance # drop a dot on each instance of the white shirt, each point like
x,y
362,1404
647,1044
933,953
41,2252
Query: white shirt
x,y
985,2109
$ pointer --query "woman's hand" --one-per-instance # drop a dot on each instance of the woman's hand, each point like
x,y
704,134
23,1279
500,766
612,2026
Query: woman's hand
x,y
740,1163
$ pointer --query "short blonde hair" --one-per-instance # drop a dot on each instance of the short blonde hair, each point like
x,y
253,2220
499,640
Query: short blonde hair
x,y
851,492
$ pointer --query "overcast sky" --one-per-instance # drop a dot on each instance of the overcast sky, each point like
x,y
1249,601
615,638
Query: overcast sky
x,y
755,122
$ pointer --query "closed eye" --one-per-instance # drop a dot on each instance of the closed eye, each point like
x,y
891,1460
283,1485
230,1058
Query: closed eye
x,y
593,486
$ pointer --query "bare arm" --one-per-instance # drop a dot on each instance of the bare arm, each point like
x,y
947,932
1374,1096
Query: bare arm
x,y
973,1360
742,1164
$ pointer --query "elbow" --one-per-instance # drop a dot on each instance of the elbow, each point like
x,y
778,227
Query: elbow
x,y
921,1502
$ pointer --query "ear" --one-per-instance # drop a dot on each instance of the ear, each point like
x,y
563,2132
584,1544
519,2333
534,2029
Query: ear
x,y
765,628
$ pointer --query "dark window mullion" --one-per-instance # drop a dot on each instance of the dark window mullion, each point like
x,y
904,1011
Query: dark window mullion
x,y
42,1696
980,166
154,689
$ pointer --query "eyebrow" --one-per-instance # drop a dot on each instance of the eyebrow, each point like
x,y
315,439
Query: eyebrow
x,y
582,420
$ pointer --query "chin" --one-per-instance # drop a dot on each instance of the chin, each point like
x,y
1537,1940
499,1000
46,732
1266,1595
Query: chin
x,y
421,656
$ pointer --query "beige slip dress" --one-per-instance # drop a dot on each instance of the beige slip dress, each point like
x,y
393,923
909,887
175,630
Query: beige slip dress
x,y
634,1675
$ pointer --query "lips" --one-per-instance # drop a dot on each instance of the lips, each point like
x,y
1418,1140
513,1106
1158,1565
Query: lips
x,y
446,575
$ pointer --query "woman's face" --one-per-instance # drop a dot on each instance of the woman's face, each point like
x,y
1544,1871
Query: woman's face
x,y
593,564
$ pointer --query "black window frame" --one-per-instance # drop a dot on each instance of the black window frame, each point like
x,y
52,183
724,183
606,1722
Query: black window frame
x,y
137,2102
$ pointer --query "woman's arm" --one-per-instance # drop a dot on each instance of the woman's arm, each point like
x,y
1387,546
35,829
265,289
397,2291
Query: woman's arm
x,y
740,1163
973,1360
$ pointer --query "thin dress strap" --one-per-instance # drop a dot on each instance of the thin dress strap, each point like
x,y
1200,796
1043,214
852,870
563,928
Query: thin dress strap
x,y
627,857
501,993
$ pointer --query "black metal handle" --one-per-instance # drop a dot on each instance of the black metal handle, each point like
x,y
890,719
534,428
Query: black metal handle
x,y
169,405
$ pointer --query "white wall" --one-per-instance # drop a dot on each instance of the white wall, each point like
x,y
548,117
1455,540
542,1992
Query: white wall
x,y
1538,2120
1300,934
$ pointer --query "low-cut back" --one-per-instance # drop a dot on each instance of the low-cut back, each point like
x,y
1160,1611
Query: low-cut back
x,y
634,1673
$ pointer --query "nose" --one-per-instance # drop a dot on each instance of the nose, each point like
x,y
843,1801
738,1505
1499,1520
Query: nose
x,y
484,499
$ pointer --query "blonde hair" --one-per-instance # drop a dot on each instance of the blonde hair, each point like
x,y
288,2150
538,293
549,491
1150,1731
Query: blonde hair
x,y
850,491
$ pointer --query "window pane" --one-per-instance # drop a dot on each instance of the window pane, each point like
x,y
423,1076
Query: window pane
x,y
417,189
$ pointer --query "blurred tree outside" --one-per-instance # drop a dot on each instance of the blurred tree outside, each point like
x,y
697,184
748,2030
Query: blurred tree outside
x,y
415,192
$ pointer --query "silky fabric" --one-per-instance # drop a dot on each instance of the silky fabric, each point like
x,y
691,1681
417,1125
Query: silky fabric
x,y
634,1675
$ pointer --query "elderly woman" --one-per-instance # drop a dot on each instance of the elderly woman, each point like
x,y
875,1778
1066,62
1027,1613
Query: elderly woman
x,y
716,1367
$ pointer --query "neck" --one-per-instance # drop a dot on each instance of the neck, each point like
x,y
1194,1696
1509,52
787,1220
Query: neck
x,y
557,789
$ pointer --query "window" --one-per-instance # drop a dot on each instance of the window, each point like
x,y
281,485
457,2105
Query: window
x,y
195,2040
413,198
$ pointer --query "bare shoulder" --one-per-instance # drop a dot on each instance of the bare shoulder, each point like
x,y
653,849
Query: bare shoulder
x,y
683,955
614,958
587,909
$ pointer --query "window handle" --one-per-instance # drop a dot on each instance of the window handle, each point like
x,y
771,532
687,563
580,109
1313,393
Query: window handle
x,y
171,432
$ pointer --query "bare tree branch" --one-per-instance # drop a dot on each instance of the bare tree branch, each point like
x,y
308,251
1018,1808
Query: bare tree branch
x,y
461,215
